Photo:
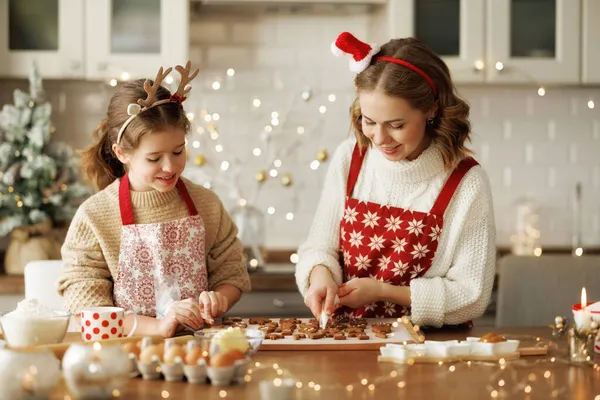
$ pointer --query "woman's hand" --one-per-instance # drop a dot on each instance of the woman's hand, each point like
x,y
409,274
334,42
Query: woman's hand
x,y
184,313
322,288
359,292
212,305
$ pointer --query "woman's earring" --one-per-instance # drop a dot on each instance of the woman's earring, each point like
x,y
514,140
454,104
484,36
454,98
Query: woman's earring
x,y
430,120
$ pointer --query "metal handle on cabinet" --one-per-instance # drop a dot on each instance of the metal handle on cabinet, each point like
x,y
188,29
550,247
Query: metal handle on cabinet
x,y
278,303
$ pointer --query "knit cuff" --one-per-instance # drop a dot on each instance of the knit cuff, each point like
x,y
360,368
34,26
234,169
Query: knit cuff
x,y
427,301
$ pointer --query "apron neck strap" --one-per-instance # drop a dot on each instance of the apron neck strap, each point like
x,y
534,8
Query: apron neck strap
x,y
125,200
440,205
357,159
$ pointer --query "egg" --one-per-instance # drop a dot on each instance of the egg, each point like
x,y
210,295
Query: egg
x,y
174,354
236,354
132,348
192,356
221,360
151,353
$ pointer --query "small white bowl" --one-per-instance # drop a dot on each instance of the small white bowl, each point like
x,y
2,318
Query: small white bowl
x,y
492,349
20,331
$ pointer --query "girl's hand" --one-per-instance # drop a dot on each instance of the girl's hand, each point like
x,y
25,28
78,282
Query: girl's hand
x,y
359,292
321,292
184,313
212,305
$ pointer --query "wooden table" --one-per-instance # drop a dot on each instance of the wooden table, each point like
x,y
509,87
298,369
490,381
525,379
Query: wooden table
x,y
334,370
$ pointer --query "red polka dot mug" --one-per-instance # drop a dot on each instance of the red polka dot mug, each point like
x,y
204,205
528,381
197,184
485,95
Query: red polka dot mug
x,y
99,323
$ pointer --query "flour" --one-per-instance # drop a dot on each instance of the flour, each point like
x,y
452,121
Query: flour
x,y
32,324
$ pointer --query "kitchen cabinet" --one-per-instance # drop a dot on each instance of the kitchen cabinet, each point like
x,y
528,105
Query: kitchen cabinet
x,y
454,29
132,38
503,41
590,69
48,31
92,39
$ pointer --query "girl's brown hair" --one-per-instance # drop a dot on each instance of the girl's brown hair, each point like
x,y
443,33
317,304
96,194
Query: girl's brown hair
x,y
100,165
450,128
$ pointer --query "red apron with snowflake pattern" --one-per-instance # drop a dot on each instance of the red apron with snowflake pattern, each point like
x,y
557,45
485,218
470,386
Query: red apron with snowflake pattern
x,y
160,259
390,244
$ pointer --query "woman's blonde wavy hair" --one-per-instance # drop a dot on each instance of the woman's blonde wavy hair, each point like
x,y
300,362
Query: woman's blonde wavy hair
x,y
450,128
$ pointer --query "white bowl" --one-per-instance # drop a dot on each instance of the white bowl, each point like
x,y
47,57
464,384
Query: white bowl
x,y
492,349
22,331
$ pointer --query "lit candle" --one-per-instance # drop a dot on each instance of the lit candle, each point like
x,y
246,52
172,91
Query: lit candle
x,y
582,317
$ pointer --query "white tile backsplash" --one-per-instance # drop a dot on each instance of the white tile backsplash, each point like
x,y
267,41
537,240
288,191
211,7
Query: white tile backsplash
x,y
531,146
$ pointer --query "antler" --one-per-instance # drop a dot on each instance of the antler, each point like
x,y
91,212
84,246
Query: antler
x,y
151,90
185,78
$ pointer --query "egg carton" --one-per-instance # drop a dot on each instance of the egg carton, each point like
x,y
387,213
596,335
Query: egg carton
x,y
451,350
174,367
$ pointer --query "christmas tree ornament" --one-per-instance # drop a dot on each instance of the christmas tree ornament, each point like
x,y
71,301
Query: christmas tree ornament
x,y
260,176
199,160
322,155
286,179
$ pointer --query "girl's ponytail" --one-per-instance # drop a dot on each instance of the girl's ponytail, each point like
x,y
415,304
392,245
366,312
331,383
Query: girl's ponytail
x,y
100,166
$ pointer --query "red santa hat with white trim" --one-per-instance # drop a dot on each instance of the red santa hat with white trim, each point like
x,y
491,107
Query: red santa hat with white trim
x,y
361,52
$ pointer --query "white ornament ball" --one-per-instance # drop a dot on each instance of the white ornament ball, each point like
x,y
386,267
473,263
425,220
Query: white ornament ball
x,y
558,320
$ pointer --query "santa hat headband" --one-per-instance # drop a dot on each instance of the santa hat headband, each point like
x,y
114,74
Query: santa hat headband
x,y
362,54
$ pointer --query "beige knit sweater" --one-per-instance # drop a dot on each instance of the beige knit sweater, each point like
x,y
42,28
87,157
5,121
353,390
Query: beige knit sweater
x,y
91,250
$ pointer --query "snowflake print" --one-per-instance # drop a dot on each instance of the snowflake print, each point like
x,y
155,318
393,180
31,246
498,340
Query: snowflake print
x,y
389,307
416,227
376,242
398,245
363,262
342,234
393,223
384,262
371,219
419,251
435,233
350,215
416,271
370,307
400,268
356,239
347,257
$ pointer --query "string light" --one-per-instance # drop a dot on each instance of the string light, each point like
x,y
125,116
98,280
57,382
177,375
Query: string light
x,y
257,152
322,109
124,76
300,130
208,117
230,72
196,144
113,82
289,216
314,165
591,104
271,210
225,165
216,116
294,258
200,130
169,80
331,97
256,103
273,173
218,148
541,91
164,394
216,85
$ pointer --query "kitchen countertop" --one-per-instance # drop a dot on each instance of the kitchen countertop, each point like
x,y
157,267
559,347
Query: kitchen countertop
x,y
334,370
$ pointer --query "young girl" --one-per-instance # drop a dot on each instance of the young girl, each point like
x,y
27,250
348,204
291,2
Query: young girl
x,y
405,223
149,240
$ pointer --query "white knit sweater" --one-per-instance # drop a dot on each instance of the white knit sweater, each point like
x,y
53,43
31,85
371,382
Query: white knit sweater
x,y
458,285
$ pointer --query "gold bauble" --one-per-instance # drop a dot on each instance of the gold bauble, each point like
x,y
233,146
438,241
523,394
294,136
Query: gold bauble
x,y
260,176
286,179
199,160
322,155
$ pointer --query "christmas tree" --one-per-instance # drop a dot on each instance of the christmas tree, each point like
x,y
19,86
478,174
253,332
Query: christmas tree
x,y
38,176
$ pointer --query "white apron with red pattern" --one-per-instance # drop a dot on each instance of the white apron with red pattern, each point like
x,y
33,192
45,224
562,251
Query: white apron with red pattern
x,y
171,252
390,244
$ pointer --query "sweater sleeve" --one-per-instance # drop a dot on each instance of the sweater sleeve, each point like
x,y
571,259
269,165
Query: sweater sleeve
x,y
224,258
464,293
322,245
86,280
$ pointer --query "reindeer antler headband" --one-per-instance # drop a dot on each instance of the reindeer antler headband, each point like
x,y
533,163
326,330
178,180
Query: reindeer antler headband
x,y
134,109
362,54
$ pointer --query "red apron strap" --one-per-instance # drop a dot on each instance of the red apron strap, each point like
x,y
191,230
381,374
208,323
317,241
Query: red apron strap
x,y
187,199
125,200
355,164
440,205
